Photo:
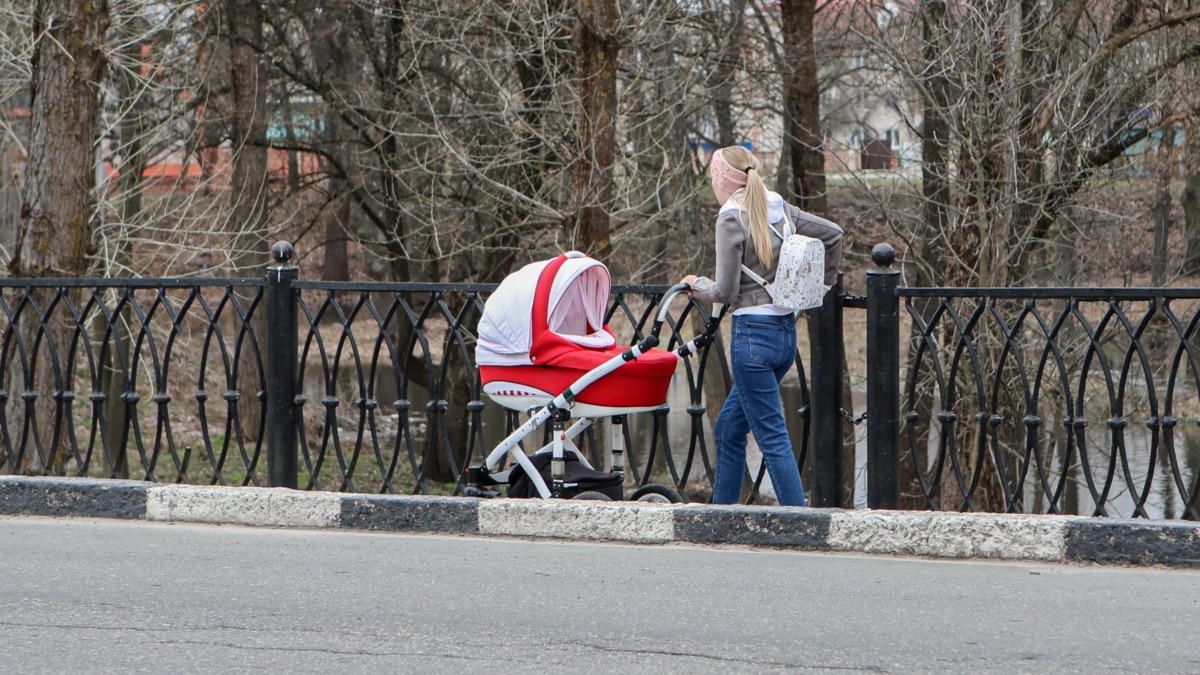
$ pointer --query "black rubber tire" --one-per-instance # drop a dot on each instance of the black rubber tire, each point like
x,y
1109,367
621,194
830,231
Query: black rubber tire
x,y
593,495
656,493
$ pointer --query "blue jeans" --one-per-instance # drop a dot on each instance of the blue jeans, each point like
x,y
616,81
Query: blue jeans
x,y
763,348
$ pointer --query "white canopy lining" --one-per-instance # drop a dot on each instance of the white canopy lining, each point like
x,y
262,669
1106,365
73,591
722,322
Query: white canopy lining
x,y
578,300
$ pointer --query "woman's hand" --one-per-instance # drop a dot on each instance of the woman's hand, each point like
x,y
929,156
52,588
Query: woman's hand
x,y
689,279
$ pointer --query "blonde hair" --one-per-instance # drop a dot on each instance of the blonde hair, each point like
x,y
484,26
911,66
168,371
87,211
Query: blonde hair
x,y
753,201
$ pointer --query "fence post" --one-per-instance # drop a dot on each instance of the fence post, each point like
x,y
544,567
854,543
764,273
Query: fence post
x,y
883,381
282,361
825,399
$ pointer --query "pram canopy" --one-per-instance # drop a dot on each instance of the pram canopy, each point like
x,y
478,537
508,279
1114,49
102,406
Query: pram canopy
x,y
543,328
578,298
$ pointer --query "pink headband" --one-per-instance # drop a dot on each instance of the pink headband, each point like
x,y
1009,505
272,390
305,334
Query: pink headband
x,y
727,178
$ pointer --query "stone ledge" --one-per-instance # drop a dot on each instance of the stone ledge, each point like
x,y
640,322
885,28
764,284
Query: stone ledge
x,y
1133,542
949,535
587,520
46,496
921,533
452,515
269,507
753,526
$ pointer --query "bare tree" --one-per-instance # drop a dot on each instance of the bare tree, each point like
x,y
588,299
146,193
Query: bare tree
x,y
1191,198
803,95
1166,163
58,188
248,116
1034,110
58,193
597,48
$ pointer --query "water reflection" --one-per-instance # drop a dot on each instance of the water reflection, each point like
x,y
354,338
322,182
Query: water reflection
x,y
1122,459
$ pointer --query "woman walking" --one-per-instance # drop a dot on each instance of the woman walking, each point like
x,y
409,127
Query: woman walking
x,y
750,228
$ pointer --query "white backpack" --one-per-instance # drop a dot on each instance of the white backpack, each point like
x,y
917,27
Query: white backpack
x,y
800,277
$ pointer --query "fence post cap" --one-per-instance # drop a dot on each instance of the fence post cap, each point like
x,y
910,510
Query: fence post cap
x,y
883,255
282,252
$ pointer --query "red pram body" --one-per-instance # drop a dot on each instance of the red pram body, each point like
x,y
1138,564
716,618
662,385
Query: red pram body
x,y
543,329
543,348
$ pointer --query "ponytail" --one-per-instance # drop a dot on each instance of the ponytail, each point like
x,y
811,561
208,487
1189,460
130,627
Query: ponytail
x,y
754,200
755,203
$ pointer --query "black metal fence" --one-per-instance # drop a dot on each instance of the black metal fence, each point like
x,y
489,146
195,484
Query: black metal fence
x,y
139,377
1037,400
373,384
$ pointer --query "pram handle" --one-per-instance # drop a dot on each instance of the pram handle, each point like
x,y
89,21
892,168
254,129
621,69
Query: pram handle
x,y
700,341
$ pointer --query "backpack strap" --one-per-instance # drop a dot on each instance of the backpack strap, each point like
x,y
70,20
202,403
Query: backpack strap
x,y
753,275
790,231
787,227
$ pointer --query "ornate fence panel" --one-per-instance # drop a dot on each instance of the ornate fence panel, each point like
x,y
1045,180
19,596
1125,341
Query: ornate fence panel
x,y
1051,400
155,379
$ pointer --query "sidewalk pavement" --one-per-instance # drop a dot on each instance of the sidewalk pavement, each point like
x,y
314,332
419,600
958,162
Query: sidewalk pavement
x,y
1069,539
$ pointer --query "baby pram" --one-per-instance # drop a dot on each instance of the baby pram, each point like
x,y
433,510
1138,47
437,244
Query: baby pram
x,y
543,348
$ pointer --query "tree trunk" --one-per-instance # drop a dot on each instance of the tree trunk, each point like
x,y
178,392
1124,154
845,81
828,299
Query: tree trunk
x,y
849,440
1191,200
1164,172
10,207
58,192
337,218
337,223
724,75
114,380
803,93
935,187
248,195
57,195
1066,258
248,121
293,156
596,49
1191,218
783,176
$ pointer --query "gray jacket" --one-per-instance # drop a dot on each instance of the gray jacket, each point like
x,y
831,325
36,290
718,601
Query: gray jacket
x,y
735,248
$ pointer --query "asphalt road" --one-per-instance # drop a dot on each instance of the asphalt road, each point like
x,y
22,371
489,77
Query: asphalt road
x,y
99,596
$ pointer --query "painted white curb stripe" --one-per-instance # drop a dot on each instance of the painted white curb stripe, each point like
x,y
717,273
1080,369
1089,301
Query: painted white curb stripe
x,y
612,521
949,535
271,507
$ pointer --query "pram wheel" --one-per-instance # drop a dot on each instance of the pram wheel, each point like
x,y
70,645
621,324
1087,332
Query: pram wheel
x,y
656,493
593,495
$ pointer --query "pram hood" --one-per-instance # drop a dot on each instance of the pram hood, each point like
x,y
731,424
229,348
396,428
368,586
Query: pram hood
x,y
578,298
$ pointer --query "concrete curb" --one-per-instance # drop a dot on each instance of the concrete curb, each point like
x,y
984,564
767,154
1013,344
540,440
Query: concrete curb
x,y
921,533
